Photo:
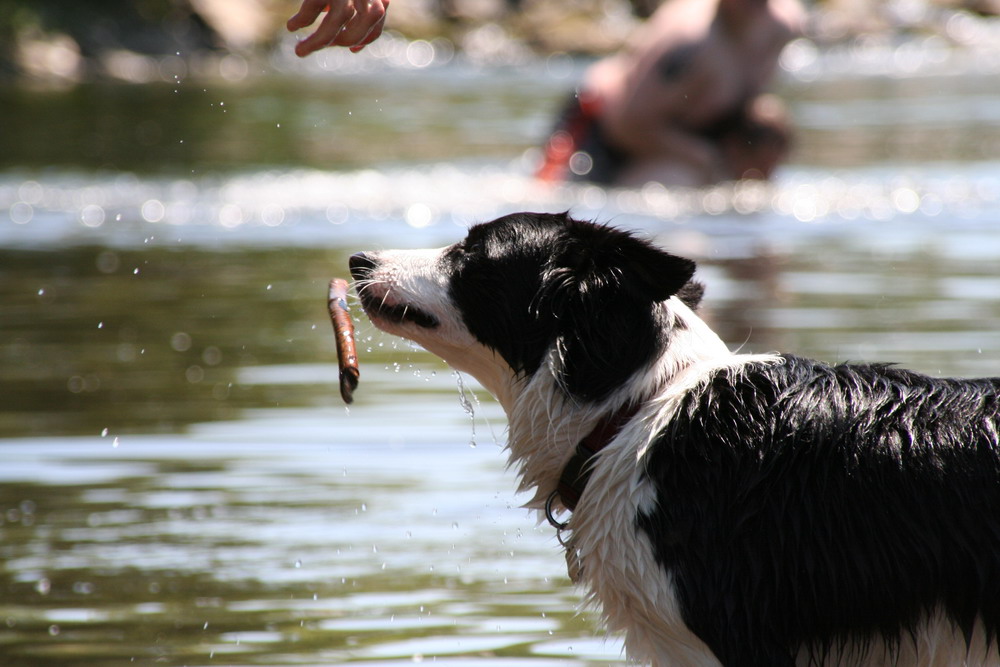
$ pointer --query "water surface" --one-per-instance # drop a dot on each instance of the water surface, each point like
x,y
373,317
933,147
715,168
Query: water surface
x,y
180,483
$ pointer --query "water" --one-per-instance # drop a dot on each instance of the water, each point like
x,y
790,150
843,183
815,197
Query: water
x,y
179,481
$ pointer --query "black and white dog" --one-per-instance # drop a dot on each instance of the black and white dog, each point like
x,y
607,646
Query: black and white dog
x,y
726,508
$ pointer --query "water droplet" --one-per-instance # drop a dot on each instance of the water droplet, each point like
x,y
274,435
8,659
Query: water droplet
x,y
115,442
181,341
464,399
21,213
92,215
298,564
104,433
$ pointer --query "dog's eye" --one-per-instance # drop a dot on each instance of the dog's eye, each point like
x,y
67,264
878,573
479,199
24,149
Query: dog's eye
x,y
474,247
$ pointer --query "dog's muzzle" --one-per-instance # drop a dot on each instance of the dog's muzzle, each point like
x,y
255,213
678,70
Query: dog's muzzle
x,y
378,303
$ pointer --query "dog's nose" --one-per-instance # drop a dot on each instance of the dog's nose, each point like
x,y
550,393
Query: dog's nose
x,y
362,265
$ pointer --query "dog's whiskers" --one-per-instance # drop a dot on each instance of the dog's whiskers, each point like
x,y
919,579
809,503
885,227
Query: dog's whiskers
x,y
368,284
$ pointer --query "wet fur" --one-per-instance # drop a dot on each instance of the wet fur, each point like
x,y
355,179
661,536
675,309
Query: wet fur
x,y
759,509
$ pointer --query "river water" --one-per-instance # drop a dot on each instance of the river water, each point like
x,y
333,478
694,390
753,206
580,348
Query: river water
x,y
179,481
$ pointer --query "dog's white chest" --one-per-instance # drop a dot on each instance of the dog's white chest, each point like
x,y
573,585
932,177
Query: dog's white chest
x,y
614,559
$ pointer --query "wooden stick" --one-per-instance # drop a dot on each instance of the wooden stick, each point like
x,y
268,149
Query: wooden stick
x,y
343,327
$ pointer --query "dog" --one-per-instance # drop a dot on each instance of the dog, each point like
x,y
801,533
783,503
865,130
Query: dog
x,y
724,508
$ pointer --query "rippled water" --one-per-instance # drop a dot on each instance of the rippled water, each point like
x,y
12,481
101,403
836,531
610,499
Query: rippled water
x,y
179,482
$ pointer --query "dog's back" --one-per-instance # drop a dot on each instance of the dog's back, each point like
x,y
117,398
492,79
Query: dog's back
x,y
832,508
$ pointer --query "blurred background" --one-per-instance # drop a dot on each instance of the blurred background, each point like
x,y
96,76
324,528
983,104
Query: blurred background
x,y
179,481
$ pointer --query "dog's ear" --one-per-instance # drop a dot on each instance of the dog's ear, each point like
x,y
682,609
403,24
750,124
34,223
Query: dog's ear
x,y
597,255
658,274
601,293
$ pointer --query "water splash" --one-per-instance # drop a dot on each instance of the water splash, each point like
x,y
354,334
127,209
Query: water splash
x,y
465,398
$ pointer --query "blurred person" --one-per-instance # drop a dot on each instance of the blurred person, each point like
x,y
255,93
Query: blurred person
x,y
682,103
350,23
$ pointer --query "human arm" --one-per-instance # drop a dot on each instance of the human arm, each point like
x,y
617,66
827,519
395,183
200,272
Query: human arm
x,y
350,23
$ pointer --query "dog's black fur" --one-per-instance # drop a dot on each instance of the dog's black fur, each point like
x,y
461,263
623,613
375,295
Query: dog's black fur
x,y
804,504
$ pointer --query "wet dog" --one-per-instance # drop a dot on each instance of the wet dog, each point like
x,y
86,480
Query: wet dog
x,y
725,508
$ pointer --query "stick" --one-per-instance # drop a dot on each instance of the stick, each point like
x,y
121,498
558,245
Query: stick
x,y
343,327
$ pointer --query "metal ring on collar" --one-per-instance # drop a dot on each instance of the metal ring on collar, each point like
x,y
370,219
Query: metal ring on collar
x,y
555,523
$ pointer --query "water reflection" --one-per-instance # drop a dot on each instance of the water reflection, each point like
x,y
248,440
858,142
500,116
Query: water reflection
x,y
151,340
191,550
180,482
193,129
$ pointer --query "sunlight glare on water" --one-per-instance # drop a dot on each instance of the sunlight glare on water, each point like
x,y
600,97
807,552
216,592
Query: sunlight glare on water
x,y
297,205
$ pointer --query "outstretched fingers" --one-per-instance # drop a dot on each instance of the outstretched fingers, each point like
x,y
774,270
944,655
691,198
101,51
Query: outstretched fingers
x,y
350,23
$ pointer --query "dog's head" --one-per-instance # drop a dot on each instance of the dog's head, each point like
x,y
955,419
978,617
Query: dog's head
x,y
528,290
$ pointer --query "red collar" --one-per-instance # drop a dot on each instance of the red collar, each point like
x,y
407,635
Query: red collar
x,y
577,471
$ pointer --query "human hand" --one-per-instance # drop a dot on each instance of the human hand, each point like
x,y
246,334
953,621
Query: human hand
x,y
350,23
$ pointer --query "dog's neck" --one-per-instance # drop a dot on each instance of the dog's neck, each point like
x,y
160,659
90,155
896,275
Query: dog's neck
x,y
545,424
